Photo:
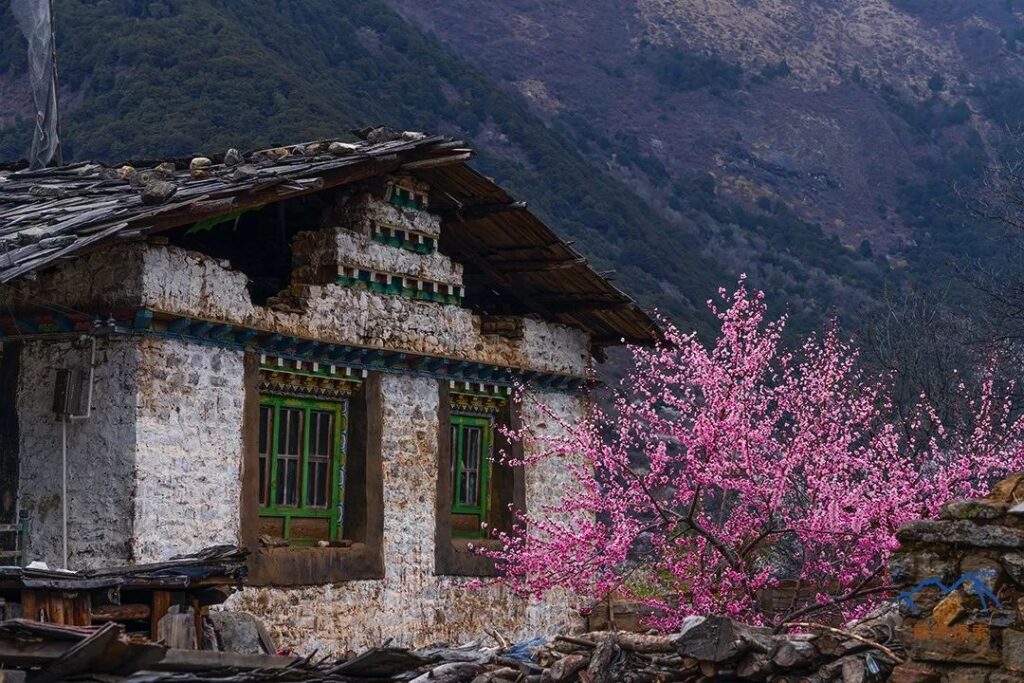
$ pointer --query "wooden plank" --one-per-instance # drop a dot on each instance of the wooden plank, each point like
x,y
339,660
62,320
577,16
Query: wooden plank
x,y
18,653
206,660
197,614
31,607
161,605
82,609
81,658
539,265
129,612
55,608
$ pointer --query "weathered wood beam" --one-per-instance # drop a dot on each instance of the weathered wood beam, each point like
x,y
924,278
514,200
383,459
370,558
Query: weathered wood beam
x,y
581,305
18,653
142,320
437,161
179,326
507,286
465,214
208,660
538,265
498,251
128,612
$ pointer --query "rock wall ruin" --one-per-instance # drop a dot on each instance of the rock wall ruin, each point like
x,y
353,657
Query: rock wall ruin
x,y
965,613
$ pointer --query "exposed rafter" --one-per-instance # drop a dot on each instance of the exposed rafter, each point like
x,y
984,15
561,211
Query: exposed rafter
x,y
465,214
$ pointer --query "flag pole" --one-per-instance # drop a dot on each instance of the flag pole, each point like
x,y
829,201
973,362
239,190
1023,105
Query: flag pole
x,y
56,92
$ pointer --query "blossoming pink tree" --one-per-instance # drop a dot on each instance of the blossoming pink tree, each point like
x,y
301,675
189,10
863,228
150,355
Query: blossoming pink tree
x,y
725,470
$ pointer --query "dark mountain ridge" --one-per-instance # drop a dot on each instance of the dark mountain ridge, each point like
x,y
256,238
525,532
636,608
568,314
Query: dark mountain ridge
x,y
674,162
857,116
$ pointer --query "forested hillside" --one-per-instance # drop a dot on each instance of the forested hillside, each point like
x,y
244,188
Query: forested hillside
x,y
856,115
641,162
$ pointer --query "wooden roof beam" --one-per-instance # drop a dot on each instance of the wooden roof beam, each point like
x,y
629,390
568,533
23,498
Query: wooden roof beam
x,y
506,286
584,305
538,265
499,251
465,214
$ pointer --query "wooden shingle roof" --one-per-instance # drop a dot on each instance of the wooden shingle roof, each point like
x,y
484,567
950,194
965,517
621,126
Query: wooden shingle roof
x,y
54,214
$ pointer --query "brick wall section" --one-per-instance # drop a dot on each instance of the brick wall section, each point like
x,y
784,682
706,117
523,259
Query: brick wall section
x,y
949,636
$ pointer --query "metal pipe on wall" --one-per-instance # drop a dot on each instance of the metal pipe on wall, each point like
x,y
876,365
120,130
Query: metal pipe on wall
x,y
64,450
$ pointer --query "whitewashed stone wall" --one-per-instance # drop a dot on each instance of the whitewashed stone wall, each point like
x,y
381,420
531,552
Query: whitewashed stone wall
x,y
544,413
157,467
343,247
411,604
188,457
100,454
363,211
187,283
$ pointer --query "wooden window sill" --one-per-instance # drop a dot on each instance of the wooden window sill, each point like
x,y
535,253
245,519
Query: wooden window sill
x,y
309,566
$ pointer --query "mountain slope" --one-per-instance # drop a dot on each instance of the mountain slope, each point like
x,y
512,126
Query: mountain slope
x,y
855,115
175,78
676,205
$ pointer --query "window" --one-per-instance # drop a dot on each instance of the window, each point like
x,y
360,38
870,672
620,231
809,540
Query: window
x,y
313,485
477,491
301,468
471,437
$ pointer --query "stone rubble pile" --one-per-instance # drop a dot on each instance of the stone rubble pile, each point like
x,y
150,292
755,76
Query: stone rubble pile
x,y
964,609
960,620
711,648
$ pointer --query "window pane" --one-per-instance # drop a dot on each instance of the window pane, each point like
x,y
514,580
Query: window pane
x,y
289,454
266,430
326,429
321,447
291,483
454,457
471,466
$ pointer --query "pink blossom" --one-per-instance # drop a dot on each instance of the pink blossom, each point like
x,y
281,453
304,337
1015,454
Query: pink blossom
x,y
725,470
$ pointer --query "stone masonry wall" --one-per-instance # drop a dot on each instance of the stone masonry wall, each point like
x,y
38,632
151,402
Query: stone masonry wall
x,y
100,454
156,468
320,251
966,620
153,471
188,283
188,457
110,277
412,605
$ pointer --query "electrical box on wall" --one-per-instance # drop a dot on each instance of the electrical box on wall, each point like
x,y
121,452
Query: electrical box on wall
x,y
67,392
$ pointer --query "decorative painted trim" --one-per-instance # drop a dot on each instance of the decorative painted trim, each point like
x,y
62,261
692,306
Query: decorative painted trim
x,y
401,285
404,194
305,379
321,354
477,403
410,240
477,389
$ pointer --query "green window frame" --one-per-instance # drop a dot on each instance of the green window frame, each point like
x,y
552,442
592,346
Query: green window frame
x,y
472,438
302,462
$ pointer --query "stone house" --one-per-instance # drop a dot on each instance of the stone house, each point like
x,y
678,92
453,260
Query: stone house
x,y
305,350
